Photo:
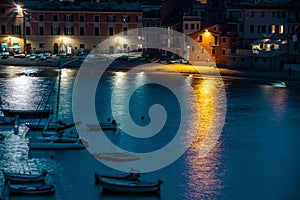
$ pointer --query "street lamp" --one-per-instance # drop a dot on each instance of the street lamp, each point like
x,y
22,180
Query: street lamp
x,y
19,8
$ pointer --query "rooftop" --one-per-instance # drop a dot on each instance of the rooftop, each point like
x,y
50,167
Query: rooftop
x,y
83,6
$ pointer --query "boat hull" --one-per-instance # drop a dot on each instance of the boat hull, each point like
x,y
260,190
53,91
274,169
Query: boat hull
x,y
23,114
31,190
58,145
127,184
16,177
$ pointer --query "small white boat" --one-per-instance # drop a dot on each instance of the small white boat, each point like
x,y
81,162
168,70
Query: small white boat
x,y
30,189
19,177
281,84
127,184
58,143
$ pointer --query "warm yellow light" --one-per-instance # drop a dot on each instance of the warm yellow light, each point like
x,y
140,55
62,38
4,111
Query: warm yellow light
x,y
207,33
9,36
18,7
63,38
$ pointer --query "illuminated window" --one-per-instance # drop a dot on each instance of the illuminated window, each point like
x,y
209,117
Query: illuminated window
x,y
125,19
273,29
281,29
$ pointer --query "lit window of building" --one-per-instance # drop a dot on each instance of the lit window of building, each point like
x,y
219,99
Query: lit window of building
x,y
273,29
281,29
125,18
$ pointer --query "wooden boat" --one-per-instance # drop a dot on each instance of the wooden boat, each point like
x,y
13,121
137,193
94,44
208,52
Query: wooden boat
x,y
127,185
51,127
102,126
30,189
18,177
131,176
23,114
59,143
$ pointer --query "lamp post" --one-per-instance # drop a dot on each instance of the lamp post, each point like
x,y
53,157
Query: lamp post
x,y
23,15
24,30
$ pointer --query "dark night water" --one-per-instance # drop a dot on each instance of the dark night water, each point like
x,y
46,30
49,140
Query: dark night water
x,y
256,157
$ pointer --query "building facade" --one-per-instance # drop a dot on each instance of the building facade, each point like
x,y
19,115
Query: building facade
x,y
12,23
68,28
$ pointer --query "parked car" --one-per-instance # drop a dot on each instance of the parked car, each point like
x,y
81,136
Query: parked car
x,y
32,57
19,55
47,54
39,55
5,53
43,57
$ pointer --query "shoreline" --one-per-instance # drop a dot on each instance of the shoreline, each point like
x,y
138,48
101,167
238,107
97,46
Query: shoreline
x,y
158,67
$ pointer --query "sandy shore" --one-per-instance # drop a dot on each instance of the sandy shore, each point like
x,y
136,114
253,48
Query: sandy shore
x,y
157,67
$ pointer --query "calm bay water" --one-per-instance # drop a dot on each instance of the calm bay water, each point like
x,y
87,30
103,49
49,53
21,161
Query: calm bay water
x,y
256,157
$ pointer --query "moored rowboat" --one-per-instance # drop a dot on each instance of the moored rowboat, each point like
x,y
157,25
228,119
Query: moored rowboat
x,y
18,177
30,189
27,113
127,185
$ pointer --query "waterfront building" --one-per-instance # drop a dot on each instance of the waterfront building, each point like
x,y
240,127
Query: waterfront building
x,y
215,42
70,28
11,23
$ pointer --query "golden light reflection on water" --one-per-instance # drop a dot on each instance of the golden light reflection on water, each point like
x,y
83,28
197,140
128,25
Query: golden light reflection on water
x,y
204,176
